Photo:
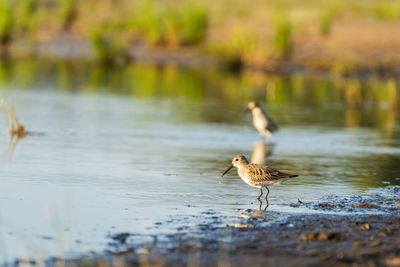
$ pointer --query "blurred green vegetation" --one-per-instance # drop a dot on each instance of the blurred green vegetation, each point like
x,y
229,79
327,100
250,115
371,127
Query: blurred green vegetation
x,y
239,32
387,10
168,24
283,31
68,12
26,15
6,21
109,46
327,17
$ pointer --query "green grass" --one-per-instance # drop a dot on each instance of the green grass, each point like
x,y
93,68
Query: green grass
x,y
195,22
165,24
240,44
332,11
68,12
6,21
283,30
29,7
387,10
325,22
26,10
146,20
109,47
173,23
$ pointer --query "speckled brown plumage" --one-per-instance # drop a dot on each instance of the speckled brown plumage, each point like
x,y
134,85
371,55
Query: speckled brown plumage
x,y
258,175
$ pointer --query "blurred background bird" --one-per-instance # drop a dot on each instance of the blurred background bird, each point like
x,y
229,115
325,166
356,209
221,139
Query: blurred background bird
x,y
264,124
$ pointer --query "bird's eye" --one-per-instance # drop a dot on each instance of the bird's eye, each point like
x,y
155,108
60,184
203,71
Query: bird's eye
x,y
236,159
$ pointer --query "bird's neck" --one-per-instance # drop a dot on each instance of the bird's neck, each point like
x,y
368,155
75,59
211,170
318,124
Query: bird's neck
x,y
257,111
241,170
240,166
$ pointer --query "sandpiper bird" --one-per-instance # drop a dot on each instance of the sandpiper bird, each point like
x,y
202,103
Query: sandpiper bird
x,y
261,121
258,175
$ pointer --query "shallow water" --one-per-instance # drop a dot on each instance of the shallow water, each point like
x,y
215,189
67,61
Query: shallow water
x,y
130,149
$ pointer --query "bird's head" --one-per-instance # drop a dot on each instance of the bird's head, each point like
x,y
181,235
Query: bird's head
x,y
237,161
252,104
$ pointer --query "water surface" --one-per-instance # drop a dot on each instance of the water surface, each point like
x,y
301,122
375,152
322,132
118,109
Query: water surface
x,y
132,148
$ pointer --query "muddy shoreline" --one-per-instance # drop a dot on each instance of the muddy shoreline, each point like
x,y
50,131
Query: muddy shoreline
x,y
335,231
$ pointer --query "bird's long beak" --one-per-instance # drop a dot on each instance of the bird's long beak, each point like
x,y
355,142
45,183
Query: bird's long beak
x,y
227,170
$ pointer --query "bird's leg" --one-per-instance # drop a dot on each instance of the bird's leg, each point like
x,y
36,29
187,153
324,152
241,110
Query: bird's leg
x,y
266,197
266,205
259,208
261,193
268,135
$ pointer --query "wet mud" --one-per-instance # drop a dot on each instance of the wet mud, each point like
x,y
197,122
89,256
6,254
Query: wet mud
x,y
335,231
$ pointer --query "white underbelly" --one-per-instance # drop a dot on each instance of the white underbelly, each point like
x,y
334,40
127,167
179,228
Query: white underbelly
x,y
250,182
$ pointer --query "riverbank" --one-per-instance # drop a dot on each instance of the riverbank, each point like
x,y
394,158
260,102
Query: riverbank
x,y
337,37
336,231
317,61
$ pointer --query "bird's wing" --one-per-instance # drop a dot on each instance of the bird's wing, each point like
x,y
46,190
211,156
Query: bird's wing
x,y
271,125
264,173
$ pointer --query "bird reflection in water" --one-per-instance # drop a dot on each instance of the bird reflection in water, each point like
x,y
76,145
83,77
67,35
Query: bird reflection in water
x,y
249,218
261,151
